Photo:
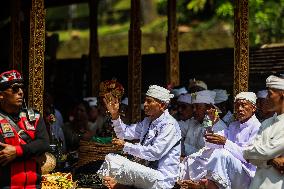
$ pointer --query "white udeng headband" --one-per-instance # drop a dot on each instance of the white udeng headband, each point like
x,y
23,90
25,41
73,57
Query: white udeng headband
x,y
159,93
275,82
249,96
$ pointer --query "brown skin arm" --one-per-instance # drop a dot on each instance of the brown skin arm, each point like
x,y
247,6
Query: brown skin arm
x,y
215,138
7,154
277,163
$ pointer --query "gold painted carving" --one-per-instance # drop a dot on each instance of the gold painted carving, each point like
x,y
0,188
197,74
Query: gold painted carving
x,y
36,55
241,50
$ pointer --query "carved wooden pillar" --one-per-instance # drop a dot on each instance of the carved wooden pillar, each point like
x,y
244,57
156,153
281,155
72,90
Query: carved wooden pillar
x,y
36,55
16,47
94,56
134,63
172,65
241,50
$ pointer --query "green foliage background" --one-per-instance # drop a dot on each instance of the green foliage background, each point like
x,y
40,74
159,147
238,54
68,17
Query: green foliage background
x,y
203,24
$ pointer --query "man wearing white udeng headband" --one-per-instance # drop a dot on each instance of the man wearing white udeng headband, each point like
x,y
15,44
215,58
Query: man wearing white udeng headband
x,y
158,151
267,150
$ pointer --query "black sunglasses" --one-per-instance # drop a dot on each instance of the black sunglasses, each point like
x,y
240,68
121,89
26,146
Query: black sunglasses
x,y
16,87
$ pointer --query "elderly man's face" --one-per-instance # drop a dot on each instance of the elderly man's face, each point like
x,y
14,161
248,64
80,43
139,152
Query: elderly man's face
x,y
275,99
199,111
13,96
153,107
185,110
244,110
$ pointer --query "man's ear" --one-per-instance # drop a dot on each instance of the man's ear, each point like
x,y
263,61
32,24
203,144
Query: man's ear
x,y
163,106
1,95
282,95
254,108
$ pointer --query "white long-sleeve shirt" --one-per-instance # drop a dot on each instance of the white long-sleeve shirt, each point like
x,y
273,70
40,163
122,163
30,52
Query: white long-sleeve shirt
x,y
268,144
162,143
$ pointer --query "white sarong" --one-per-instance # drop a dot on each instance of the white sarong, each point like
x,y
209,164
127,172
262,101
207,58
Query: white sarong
x,y
130,173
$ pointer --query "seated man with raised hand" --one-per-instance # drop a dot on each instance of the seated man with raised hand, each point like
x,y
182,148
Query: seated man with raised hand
x,y
203,102
222,165
158,151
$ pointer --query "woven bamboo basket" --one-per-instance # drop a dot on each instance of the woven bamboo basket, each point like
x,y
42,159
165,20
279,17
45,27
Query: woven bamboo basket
x,y
93,151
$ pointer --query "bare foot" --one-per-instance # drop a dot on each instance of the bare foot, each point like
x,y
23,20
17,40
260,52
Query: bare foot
x,y
109,182
202,184
211,185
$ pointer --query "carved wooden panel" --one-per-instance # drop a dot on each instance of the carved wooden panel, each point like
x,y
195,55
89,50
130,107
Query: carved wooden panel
x,y
241,51
36,55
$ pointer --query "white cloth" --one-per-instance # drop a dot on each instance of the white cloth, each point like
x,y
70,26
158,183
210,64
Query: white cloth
x,y
56,128
249,96
198,83
275,82
178,92
262,94
222,169
93,101
159,93
221,95
224,164
125,101
194,140
184,127
120,168
160,144
186,98
268,144
205,96
228,118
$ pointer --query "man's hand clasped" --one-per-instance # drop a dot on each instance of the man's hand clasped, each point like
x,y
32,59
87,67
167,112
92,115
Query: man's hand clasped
x,y
215,138
7,154
118,142
278,164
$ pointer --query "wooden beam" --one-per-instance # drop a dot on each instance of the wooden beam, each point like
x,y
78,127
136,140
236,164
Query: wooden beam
x,y
16,47
36,55
241,49
56,3
94,56
134,63
172,64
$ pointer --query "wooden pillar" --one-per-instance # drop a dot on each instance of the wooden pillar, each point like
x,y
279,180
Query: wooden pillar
x,y
241,49
16,46
134,63
172,64
94,56
36,55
